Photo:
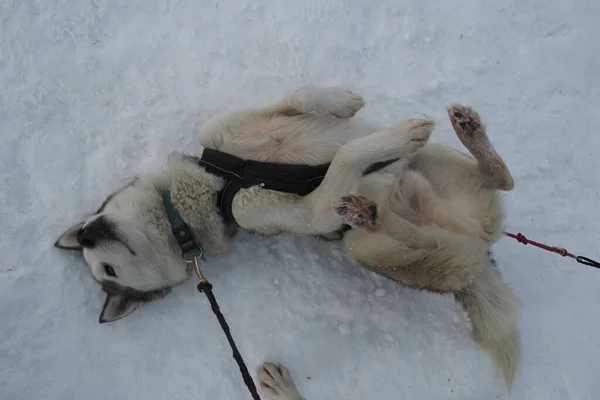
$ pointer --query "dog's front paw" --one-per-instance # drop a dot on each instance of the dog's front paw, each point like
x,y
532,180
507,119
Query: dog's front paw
x,y
357,211
412,134
277,382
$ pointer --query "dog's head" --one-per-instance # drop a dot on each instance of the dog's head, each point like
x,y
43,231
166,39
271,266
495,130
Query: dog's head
x,y
128,243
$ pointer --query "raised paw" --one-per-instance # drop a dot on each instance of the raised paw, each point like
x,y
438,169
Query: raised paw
x,y
415,133
465,120
276,382
334,101
357,211
345,103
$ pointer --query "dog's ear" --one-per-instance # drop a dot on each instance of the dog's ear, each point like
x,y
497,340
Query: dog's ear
x,y
68,240
118,306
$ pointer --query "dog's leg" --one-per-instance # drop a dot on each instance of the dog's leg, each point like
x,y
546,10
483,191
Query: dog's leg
x,y
269,212
438,260
472,133
277,382
362,213
422,257
346,168
414,196
241,131
332,101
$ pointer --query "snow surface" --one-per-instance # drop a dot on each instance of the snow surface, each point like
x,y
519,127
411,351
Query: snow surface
x,y
93,92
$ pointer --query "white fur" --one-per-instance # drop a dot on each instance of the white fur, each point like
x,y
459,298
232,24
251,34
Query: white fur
x,y
439,211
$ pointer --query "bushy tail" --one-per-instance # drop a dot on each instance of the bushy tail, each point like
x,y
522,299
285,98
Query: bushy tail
x,y
493,307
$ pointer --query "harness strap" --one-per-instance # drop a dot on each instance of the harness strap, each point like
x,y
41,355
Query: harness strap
x,y
242,174
287,178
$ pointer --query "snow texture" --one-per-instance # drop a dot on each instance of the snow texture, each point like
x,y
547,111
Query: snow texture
x,y
92,92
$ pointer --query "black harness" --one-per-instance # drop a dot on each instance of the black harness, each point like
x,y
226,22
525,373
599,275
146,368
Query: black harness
x,y
242,174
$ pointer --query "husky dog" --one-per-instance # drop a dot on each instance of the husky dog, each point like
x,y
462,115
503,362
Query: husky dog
x,y
426,220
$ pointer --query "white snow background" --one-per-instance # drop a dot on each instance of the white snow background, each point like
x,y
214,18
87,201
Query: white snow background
x,y
92,92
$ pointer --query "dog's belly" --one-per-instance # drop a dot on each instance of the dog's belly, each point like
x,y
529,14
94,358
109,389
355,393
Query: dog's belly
x,y
460,212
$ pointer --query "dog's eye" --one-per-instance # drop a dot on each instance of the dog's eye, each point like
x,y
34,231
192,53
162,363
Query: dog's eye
x,y
110,271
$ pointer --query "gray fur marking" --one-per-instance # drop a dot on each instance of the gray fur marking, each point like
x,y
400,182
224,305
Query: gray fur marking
x,y
113,288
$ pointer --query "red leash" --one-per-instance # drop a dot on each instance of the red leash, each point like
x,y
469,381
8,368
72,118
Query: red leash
x,y
559,250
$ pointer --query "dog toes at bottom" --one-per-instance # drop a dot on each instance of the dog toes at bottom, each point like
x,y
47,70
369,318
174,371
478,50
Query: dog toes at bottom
x,y
277,383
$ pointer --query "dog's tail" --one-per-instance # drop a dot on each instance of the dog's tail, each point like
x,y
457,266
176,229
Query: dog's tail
x,y
493,307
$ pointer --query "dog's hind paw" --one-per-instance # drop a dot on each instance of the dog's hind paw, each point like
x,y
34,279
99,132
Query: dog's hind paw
x,y
277,383
334,101
357,211
465,121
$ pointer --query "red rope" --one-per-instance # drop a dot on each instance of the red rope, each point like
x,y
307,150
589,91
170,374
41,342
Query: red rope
x,y
559,250
522,239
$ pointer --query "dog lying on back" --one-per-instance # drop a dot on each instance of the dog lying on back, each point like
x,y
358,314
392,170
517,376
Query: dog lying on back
x,y
426,219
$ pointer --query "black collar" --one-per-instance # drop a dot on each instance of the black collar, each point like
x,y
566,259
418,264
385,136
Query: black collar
x,y
183,234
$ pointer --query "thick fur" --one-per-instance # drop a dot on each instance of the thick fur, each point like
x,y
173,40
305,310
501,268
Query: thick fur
x,y
432,216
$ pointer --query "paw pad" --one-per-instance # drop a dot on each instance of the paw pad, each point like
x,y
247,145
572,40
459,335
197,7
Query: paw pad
x,y
464,119
357,211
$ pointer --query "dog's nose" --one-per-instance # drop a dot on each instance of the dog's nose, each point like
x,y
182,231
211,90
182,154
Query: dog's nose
x,y
85,238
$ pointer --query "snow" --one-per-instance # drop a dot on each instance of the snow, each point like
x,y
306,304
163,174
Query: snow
x,y
93,92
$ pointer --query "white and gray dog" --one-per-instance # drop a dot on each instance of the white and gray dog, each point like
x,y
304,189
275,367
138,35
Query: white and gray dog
x,y
425,217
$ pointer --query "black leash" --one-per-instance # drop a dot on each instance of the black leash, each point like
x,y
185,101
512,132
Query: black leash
x,y
191,253
204,286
